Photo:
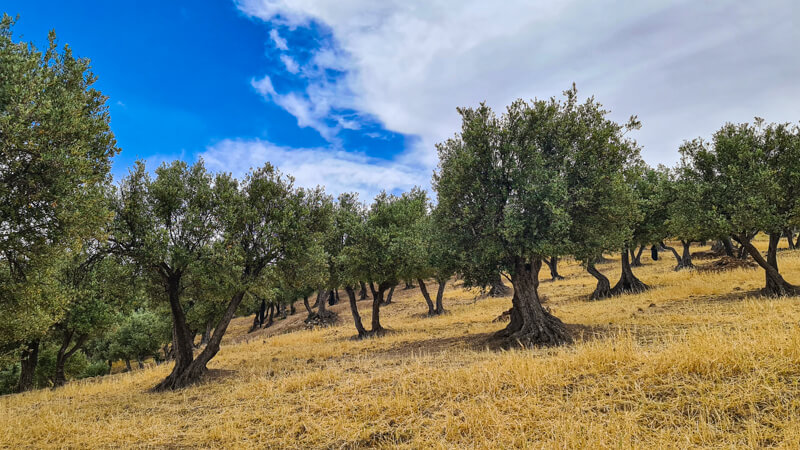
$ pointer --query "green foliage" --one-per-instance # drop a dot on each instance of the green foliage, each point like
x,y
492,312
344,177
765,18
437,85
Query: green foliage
x,y
349,220
545,178
748,176
94,369
140,336
56,147
385,248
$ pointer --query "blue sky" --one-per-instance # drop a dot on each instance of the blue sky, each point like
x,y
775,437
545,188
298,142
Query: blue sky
x,y
355,94
179,76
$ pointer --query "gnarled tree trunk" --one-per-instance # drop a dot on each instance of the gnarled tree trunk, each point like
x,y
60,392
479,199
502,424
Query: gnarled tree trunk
x,y
628,283
195,368
498,289
789,233
377,301
363,294
682,262
552,264
308,307
28,362
182,338
531,325
270,315
64,353
440,296
603,288
776,286
351,294
426,296
686,257
389,296
636,258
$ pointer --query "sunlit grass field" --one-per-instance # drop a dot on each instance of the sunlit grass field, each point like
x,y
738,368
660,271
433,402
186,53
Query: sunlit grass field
x,y
700,360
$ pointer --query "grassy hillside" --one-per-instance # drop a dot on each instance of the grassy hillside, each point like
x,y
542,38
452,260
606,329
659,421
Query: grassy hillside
x,y
700,360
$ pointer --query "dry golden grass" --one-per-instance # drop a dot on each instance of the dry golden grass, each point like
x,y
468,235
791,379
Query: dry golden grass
x,y
699,361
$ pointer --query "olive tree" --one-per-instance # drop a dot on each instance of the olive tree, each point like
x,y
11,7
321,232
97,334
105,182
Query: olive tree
x,y
379,246
56,148
502,192
751,174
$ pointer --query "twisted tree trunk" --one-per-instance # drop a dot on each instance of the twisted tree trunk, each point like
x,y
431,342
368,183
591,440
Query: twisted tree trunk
x,y
363,294
628,283
531,325
790,238
552,264
64,353
426,296
389,296
377,300
776,286
685,261
636,258
497,288
603,288
440,296
351,294
271,315
686,258
182,337
196,368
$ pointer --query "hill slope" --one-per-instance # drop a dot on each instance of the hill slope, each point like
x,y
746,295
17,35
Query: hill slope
x,y
700,360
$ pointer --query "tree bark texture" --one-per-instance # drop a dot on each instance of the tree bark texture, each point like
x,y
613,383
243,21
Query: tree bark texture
x,y
498,289
628,283
351,295
636,257
531,324
603,288
440,296
192,371
552,264
29,361
775,286
426,296
64,353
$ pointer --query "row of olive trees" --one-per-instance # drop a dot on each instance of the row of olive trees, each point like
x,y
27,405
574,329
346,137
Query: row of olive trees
x,y
553,177
87,266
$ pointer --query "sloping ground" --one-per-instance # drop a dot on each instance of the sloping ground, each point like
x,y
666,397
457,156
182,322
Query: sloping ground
x,y
698,361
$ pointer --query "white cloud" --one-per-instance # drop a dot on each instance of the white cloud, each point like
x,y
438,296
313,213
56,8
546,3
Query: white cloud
x,y
280,43
311,111
684,67
338,171
290,63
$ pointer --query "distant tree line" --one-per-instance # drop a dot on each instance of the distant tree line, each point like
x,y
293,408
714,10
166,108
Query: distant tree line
x,y
156,266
